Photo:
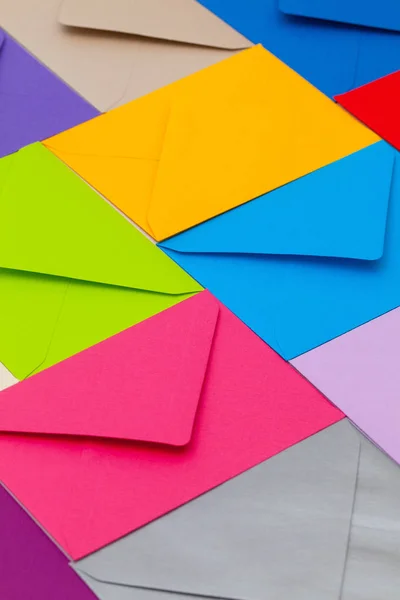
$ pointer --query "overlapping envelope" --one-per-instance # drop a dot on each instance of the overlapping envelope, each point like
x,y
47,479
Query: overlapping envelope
x,y
152,44
359,372
318,520
335,57
72,270
210,142
90,446
376,104
31,564
34,103
309,261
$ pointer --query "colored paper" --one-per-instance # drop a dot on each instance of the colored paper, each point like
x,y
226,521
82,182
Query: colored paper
x,y
31,565
359,373
184,21
332,56
110,68
72,270
376,105
382,15
286,522
309,261
335,490
267,125
87,492
35,103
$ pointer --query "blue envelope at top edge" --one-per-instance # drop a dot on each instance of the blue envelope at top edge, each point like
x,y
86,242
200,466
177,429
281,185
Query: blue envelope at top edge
x,y
308,261
334,57
384,14
34,103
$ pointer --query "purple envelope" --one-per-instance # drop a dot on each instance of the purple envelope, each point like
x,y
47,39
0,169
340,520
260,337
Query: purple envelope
x,y
31,566
360,373
34,103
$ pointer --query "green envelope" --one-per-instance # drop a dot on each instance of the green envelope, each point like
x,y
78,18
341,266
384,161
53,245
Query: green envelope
x,y
73,271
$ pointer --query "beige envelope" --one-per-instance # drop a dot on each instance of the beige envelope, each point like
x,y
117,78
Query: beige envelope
x,y
149,43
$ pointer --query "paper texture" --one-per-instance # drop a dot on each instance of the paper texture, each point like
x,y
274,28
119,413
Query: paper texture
x,y
268,127
35,103
72,270
284,263
253,405
108,69
333,57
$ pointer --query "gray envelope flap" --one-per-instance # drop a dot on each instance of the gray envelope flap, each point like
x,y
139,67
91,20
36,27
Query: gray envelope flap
x,y
373,565
261,535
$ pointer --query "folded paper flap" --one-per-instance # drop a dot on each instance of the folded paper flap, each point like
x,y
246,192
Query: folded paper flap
x,y
339,211
2,38
54,224
143,384
382,15
176,20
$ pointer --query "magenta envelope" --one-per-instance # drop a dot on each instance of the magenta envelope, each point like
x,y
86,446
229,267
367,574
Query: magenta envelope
x,y
31,565
34,103
360,373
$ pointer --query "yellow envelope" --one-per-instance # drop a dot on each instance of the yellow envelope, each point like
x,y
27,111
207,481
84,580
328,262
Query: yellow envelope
x,y
210,142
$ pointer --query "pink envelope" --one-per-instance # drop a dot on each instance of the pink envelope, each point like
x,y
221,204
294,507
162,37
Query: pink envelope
x,y
93,447
360,373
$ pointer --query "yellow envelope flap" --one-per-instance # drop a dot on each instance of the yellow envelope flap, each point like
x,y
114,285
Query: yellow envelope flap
x,y
184,21
210,142
54,224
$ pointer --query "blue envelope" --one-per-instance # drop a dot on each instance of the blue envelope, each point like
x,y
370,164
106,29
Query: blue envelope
x,y
384,14
34,103
334,57
310,260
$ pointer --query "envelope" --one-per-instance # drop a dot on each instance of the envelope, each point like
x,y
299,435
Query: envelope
x,y
109,69
385,15
267,125
309,261
359,373
31,565
90,476
334,57
34,103
300,524
72,270
376,105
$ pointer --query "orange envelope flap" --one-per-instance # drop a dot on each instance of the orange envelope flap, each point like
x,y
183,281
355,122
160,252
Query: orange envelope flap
x,y
210,142
54,224
143,384
184,21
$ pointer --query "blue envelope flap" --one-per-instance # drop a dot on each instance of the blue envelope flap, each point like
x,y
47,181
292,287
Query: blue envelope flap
x,y
384,14
339,211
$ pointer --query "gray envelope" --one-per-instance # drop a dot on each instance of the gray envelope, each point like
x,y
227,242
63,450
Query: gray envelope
x,y
278,531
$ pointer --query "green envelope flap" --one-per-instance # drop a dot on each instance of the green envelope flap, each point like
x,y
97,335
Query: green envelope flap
x,y
53,223
72,270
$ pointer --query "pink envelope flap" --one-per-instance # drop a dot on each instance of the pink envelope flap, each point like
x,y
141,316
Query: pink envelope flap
x,y
143,384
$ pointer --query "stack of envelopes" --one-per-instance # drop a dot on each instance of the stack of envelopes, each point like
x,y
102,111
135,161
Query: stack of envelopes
x,y
199,300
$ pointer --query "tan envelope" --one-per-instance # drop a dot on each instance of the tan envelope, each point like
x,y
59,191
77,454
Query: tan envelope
x,y
151,42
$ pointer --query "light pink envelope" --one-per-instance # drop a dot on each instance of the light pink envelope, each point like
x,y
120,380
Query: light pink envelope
x,y
360,373
87,491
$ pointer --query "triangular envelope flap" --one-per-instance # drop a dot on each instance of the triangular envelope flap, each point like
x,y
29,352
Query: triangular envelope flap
x,y
142,384
377,104
174,20
382,15
338,211
53,223
256,523
2,38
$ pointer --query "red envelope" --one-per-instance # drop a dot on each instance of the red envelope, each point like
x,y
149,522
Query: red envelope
x,y
70,450
377,106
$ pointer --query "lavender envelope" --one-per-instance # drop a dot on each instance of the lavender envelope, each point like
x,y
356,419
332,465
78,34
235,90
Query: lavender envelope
x,y
34,103
360,373
31,566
